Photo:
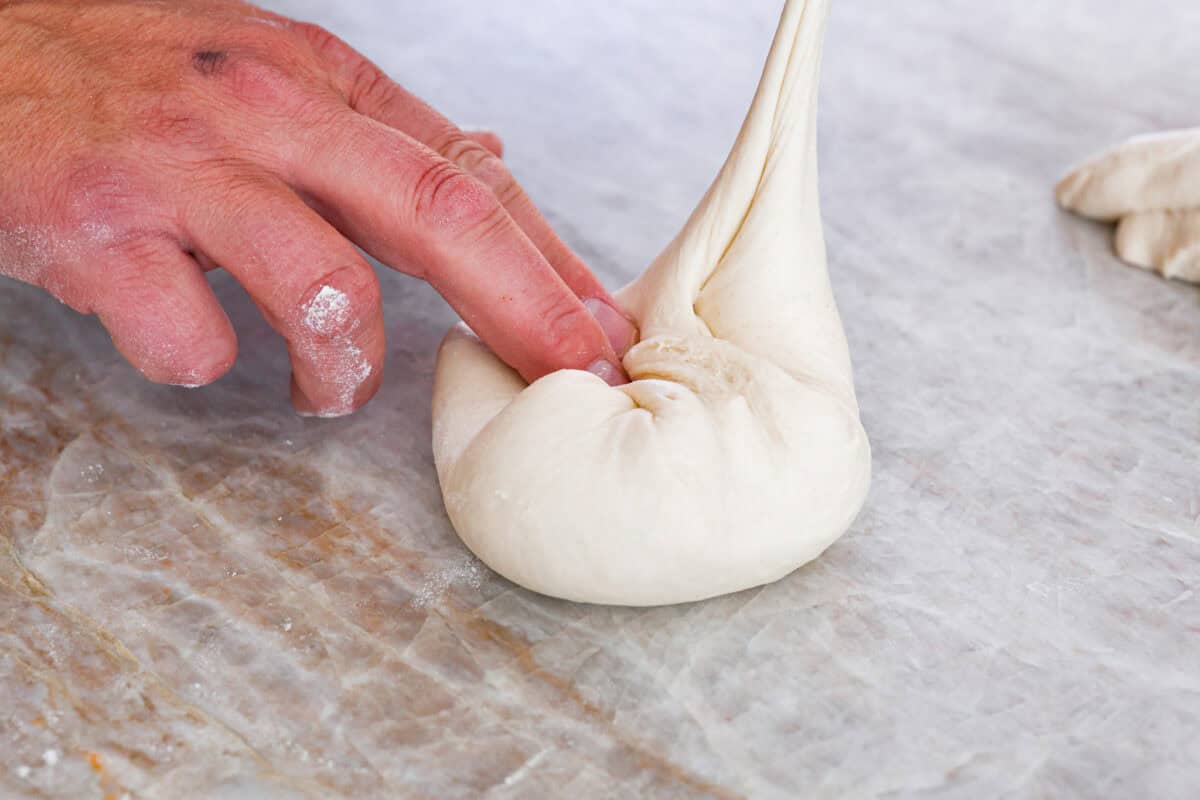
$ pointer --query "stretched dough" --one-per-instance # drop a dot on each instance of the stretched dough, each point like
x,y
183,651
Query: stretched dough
x,y
1150,185
736,454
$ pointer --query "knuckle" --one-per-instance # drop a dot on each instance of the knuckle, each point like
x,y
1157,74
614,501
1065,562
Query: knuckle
x,y
360,79
493,172
319,38
260,82
238,185
265,67
135,250
103,196
491,141
332,50
473,157
565,339
465,152
335,305
445,140
478,160
107,213
447,199
368,83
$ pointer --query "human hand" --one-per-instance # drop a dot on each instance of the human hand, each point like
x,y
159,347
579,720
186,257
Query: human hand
x,y
142,144
1149,185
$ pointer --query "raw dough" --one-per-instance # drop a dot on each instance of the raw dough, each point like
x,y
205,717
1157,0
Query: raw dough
x,y
1150,185
736,454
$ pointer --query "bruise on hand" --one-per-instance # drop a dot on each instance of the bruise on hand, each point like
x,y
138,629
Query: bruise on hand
x,y
209,62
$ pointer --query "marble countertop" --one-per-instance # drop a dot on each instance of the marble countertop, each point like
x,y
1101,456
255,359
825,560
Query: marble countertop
x,y
202,595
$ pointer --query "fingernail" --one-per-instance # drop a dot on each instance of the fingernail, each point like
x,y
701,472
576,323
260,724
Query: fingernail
x,y
335,413
620,331
189,380
304,407
608,372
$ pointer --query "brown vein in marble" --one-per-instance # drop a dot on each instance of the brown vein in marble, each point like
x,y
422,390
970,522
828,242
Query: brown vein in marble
x,y
41,594
490,631
117,435
486,630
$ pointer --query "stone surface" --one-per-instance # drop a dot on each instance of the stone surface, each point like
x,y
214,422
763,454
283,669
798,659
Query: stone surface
x,y
202,595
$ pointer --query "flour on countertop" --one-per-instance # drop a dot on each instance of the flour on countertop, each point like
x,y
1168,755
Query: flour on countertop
x,y
468,570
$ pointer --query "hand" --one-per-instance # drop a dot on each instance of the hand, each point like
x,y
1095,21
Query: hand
x,y
144,143
1151,186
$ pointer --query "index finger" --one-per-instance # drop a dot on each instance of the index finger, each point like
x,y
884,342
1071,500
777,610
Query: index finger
x,y
417,212
370,92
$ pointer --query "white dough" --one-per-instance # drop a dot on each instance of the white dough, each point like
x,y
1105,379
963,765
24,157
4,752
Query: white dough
x,y
1150,185
736,454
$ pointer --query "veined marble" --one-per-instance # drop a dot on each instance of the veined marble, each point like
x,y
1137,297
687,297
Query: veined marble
x,y
202,595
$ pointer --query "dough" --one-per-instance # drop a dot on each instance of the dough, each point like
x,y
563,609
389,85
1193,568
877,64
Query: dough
x,y
736,454
1150,186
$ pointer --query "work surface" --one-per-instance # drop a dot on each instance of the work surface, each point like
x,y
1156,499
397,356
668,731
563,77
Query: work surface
x,y
202,595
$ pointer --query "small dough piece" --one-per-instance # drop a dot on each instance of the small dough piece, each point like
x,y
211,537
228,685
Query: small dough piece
x,y
736,454
1150,186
